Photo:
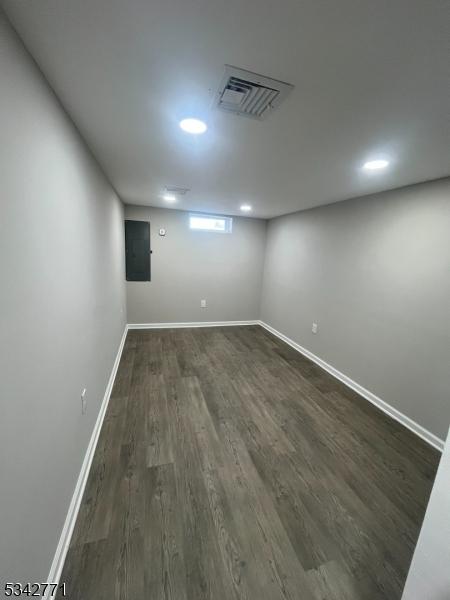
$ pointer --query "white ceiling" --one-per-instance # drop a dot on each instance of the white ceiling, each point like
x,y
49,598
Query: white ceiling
x,y
371,79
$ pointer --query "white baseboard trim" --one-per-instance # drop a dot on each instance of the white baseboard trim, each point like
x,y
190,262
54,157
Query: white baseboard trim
x,y
426,435
193,324
69,524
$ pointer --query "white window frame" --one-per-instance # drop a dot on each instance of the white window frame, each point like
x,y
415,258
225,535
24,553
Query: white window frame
x,y
228,223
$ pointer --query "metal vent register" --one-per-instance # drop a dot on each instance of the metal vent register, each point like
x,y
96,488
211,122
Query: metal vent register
x,y
249,94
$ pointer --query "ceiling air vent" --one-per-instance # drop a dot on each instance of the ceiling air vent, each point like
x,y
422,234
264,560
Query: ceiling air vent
x,y
250,95
174,189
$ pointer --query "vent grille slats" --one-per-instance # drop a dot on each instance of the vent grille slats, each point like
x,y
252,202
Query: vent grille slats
x,y
259,97
249,99
248,94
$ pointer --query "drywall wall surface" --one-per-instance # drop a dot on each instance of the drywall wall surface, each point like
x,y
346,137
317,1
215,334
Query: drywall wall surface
x,y
225,269
429,574
374,274
62,310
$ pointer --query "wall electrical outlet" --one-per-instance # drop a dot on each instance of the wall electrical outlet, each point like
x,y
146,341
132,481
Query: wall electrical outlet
x,y
202,303
83,402
314,328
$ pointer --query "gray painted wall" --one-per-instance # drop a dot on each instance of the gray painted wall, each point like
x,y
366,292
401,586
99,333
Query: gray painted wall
x,y
62,310
374,273
429,574
187,266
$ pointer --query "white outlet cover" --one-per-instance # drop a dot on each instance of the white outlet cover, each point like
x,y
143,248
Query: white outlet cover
x,y
162,232
203,303
314,328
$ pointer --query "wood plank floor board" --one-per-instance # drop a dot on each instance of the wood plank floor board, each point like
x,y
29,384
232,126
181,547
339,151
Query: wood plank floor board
x,y
205,576
230,467
96,509
373,455
266,542
165,573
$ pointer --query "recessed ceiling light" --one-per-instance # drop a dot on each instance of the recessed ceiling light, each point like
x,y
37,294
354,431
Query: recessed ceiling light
x,y
169,198
194,126
375,165
246,207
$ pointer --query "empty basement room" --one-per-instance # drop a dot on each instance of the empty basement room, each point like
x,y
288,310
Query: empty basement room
x,y
225,300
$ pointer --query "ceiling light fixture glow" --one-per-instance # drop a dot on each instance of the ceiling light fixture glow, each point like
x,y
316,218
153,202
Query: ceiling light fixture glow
x,y
246,207
375,165
169,198
194,126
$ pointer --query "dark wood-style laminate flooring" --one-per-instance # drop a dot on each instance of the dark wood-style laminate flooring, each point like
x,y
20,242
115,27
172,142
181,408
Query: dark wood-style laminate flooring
x,y
231,467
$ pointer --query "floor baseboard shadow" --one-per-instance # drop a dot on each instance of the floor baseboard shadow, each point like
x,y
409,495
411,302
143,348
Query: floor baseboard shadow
x,y
191,324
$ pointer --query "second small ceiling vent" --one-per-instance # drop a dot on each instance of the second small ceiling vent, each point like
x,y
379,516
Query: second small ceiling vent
x,y
249,94
175,189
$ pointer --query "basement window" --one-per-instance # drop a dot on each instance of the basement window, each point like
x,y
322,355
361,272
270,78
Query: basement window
x,y
210,223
